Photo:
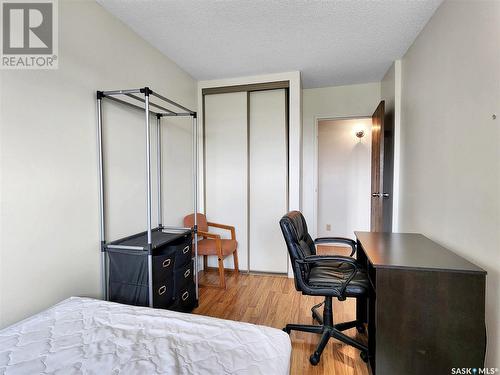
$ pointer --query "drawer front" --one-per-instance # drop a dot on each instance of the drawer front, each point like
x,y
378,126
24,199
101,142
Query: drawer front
x,y
182,278
163,267
186,301
183,254
163,294
180,249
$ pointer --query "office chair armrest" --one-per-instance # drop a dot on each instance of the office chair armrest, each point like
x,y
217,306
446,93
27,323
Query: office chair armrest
x,y
224,226
336,258
343,240
328,258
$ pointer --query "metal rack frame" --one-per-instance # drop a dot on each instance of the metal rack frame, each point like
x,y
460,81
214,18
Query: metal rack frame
x,y
144,104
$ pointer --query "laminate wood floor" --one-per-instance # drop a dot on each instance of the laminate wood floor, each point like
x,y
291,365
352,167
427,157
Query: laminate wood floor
x,y
273,301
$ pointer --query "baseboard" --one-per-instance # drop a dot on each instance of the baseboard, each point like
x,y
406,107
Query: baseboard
x,y
216,269
231,270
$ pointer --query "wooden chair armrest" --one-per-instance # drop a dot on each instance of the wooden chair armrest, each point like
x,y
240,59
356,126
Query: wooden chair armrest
x,y
209,235
224,226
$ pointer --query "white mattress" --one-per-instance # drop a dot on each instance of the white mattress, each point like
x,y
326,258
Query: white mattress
x,y
88,336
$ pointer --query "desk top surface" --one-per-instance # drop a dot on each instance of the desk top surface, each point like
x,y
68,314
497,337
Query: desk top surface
x,y
411,250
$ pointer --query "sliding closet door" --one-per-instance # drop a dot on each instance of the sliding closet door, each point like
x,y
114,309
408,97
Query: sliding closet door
x,y
225,129
268,180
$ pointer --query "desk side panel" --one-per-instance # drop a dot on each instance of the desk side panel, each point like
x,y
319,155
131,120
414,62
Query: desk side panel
x,y
429,322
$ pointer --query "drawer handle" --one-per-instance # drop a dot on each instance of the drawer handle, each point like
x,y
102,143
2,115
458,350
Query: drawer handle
x,y
162,290
187,273
185,250
185,296
166,263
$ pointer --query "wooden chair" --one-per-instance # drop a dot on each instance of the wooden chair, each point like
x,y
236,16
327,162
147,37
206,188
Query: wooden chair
x,y
213,244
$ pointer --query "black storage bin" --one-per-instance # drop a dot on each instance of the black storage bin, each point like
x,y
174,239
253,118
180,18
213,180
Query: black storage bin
x,y
128,277
183,276
187,299
184,253
171,259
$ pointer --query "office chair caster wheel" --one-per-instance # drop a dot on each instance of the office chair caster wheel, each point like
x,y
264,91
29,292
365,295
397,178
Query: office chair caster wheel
x,y
361,328
364,356
314,359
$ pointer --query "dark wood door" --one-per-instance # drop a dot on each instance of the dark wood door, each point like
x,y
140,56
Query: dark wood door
x,y
382,169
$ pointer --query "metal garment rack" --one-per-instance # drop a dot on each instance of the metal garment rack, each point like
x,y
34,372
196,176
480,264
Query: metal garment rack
x,y
140,99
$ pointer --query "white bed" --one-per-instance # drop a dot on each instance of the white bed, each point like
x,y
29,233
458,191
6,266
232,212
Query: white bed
x,y
89,336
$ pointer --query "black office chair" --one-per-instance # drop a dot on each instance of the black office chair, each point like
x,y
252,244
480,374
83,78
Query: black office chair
x,y
323,275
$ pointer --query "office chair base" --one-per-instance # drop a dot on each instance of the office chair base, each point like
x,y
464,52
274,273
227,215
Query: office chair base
x,y
327,330
314,358
360,327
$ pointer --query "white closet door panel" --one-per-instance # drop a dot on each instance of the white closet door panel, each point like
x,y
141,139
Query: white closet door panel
x,y
268,180
226,168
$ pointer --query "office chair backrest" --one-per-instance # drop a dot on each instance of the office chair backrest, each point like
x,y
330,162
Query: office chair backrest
x,y
298,241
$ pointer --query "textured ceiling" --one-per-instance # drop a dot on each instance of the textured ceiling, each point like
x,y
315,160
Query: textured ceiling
x,y
332,42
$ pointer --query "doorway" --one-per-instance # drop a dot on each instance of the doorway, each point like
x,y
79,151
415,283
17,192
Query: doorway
x,y
343,176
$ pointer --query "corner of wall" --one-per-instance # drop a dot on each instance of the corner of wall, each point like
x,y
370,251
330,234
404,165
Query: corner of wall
x,y
397,147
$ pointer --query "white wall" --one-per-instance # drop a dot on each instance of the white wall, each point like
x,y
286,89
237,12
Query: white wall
x,y
450,171
344,177
387,88
390,90
49,218
328,102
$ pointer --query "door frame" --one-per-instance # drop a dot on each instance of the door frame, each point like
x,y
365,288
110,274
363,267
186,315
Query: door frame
x,y
249,88
317,119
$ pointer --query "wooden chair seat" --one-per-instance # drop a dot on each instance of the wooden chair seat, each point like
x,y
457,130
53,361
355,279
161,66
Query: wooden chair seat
x,y
208,247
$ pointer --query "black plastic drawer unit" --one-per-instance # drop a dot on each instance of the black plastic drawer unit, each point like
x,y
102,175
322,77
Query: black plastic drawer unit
x,y
172,269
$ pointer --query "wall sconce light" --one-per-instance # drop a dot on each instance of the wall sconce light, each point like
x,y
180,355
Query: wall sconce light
x,y
360,134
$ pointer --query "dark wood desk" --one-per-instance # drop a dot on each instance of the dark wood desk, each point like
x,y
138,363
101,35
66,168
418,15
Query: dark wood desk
x,y
426,311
